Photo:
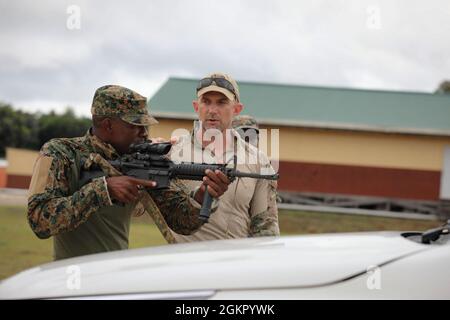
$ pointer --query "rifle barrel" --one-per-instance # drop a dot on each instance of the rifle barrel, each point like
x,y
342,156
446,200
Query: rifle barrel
x,y
239,174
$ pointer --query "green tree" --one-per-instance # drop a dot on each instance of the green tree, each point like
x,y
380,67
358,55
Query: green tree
x,y
31,130
444,87
66,125
17,129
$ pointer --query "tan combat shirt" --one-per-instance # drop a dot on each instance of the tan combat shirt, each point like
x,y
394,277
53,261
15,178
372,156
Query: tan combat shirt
x,y
248,208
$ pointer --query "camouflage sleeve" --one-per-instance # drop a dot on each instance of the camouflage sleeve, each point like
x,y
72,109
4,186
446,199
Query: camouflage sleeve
x,y
264,221
51,208
179,208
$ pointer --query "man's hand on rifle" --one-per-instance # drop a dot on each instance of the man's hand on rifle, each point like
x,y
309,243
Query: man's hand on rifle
x,y
172,140
217,183
126,189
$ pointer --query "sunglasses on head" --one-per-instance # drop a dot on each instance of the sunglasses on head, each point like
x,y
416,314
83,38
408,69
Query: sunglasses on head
x,y
220,82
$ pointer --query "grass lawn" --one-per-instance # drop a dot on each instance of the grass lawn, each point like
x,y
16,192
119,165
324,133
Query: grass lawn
x,y
21,249
295,222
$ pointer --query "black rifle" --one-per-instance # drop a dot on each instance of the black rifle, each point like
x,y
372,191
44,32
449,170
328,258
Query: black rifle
x,y
149,161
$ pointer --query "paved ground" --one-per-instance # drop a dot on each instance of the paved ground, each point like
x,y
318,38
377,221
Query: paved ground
x,y
12,197
363,212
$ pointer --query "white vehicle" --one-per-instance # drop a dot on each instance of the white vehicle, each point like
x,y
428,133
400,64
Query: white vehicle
x,y
373,265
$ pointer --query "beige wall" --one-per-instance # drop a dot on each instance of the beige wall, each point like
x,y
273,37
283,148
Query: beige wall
x,y
358,148
165,127
312,145
363,148
20,161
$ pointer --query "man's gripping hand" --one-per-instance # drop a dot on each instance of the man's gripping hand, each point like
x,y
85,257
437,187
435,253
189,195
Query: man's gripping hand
x,y
217,183
126,189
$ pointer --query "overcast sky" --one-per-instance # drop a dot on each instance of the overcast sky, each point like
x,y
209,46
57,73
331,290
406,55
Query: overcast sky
x,y
47,62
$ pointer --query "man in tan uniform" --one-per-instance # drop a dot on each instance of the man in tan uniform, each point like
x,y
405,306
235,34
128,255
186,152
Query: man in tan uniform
x,y
248,208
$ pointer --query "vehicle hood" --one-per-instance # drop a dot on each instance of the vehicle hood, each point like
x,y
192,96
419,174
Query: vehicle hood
x,y
271,262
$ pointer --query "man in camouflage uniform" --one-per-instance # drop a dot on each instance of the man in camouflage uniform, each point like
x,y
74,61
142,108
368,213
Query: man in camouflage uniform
x,y
248,208
95,217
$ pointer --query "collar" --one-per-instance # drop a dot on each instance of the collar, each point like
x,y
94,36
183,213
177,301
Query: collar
x,y
101,147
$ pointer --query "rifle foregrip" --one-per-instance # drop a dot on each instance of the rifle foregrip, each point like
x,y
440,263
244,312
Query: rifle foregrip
x,y
205,210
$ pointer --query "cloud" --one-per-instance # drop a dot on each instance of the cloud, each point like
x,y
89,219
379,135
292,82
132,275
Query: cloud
x,y
141,43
